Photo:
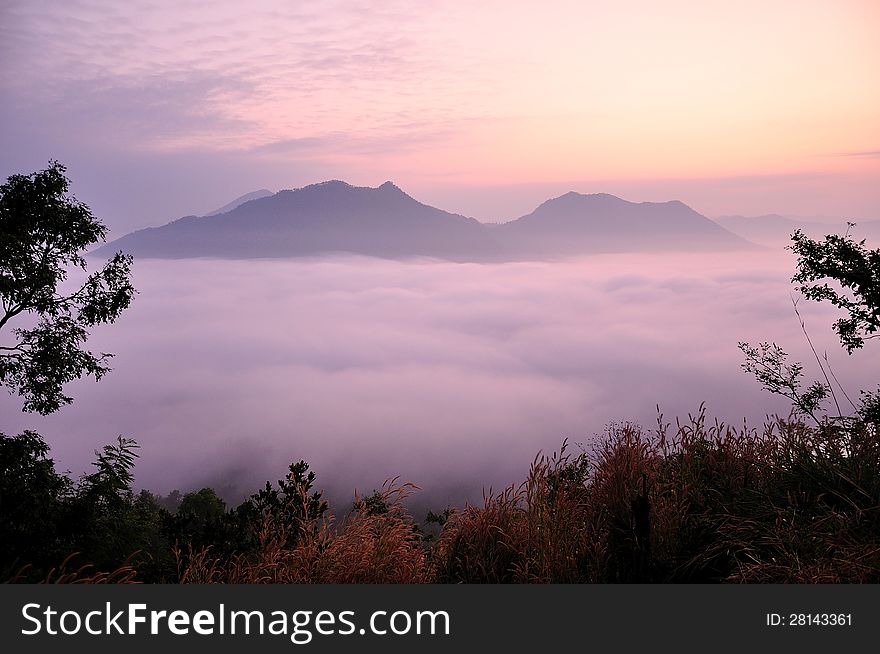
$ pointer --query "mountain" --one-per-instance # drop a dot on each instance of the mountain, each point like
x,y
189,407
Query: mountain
x,y
247,197
327,217
575,223
775,230
386,222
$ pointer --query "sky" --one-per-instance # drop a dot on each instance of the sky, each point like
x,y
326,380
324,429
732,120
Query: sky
x,y
162,109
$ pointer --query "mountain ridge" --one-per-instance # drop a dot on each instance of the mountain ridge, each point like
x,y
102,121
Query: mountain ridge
x,y
247,197
385,221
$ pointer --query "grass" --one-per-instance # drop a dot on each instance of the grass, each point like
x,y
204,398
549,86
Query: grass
x,y
369,546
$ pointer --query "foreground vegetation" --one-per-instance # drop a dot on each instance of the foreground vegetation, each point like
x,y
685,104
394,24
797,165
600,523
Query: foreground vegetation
x,y
688,503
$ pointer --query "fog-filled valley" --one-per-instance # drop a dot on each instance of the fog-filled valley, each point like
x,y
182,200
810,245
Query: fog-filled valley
x,y
450,375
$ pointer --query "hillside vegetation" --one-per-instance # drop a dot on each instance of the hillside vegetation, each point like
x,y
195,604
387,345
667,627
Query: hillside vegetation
x,y
694,502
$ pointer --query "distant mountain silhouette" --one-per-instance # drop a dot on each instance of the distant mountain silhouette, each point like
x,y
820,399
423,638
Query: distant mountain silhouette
x,y
247,197
575,223
776,230
321,218
386,222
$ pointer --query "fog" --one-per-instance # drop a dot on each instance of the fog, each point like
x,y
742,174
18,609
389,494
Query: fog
x,y
452,376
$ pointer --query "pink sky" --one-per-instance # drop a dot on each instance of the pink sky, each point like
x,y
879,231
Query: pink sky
x,y
484,108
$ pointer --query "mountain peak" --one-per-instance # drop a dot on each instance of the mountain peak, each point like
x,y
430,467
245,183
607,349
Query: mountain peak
x,y
575,199
338,184
590,196
237,202
329,184
574,223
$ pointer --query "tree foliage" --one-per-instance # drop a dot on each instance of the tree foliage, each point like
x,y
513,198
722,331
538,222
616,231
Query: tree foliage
x,y
767,362
291,505
842,271
845,273
46,516
44,233
32,497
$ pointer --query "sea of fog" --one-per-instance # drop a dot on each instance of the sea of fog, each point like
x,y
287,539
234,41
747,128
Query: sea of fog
x,y
452,376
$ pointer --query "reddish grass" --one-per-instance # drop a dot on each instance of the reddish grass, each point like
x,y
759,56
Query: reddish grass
x,y
698,503
84,574
364,548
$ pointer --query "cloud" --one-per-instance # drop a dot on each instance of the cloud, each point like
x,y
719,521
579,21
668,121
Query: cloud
x,y
221,79
871,154
451,375
406,138
288,146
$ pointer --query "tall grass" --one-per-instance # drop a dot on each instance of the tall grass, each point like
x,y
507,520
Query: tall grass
x,y
369,545
83,574
697,503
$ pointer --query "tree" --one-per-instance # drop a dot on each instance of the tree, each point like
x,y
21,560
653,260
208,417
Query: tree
x,y
292,506
32,501
201,508
109,527
767,363
843,271
851,267
44,233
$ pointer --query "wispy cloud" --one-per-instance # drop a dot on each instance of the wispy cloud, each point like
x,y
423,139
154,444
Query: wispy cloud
x,y
369,142
871,154
224,78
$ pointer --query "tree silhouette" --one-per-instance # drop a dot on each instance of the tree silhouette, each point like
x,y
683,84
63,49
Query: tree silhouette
x,y
854,275
840,270
43,234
